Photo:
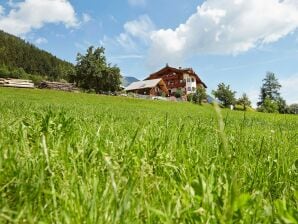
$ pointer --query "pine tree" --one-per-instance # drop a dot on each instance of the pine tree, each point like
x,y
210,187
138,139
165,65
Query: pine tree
x,y
270,99
270,88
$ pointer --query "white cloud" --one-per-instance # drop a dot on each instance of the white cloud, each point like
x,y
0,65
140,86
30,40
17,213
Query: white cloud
x,y
41,40
33,14
126,41
86,18
225,27
289,90
137,2
139,29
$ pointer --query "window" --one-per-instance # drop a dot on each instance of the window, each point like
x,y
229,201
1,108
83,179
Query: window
x,y
188,79
192,79
188,89
193,89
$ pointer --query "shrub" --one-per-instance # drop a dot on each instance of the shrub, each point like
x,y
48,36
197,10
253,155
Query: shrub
x,y
178,93
268,106
190,97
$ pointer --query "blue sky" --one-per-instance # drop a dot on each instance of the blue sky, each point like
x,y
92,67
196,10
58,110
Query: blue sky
x,y
230,41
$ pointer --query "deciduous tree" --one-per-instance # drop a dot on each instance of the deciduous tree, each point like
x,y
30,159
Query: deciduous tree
x,y
244,101
293,108
93,72
225,94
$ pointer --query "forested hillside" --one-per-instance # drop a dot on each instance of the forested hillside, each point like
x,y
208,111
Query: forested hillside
x,y
20,59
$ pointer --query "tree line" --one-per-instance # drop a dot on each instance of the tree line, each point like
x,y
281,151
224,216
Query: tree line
x,y
270,99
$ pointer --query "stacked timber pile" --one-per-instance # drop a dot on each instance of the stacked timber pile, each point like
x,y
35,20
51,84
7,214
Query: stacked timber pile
x,y
70,87
18,83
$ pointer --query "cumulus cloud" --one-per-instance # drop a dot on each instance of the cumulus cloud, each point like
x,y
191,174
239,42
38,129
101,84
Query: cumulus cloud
x,y
225,27
137,2
126,41
33,14
139,29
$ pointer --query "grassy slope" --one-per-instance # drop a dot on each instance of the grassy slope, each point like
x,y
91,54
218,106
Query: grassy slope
x,y
75,157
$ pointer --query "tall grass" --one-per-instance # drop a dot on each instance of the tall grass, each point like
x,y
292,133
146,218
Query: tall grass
x,y
78,158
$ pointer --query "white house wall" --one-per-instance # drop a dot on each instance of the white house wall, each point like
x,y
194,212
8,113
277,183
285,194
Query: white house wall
x,y
191,83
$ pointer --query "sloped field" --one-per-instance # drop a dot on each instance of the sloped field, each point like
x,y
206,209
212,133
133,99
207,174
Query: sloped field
x,y
78,158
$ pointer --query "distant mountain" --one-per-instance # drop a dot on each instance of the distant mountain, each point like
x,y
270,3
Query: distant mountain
x,y
126,81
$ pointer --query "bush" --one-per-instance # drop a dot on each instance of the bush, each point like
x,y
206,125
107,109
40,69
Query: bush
x,y
178,93
269,106
190,97
36,79
195,98
4,72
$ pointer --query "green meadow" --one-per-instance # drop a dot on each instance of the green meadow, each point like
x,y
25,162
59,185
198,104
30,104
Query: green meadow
x,y
83,158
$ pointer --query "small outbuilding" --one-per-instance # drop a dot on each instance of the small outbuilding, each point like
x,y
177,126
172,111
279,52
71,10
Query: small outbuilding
x,y
153,87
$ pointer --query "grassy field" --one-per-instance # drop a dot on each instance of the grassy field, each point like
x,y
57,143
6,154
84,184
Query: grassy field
x,y
78,158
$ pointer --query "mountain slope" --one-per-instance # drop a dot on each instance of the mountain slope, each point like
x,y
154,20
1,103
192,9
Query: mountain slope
x,y
18,57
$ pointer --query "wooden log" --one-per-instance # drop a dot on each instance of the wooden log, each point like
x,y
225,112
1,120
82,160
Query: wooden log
x,y
18,83
58,86
17,80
